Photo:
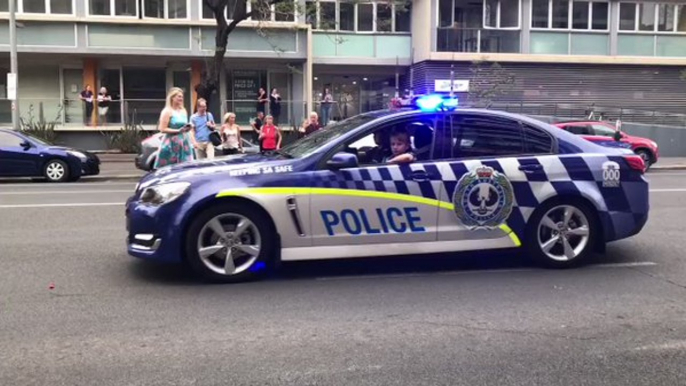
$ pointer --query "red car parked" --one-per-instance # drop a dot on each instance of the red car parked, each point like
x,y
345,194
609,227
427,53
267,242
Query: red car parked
x,y
603,133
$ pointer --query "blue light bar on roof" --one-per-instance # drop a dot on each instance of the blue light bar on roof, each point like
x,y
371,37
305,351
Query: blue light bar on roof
x,y
436,102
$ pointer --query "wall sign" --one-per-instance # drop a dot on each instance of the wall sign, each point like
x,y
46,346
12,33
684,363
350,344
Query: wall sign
x,y
443,85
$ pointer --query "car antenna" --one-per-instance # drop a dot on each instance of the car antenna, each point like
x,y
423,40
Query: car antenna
x,y
397,78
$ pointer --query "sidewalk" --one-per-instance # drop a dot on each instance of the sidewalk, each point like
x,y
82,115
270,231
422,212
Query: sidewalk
x,y
121,166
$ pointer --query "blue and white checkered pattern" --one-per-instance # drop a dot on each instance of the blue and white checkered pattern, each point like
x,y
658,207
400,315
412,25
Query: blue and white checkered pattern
x,y
621,209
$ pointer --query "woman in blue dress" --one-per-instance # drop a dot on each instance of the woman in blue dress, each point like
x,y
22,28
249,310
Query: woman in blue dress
x,y
176,145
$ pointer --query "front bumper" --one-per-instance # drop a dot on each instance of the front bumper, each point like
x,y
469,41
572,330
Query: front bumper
x,y
151,233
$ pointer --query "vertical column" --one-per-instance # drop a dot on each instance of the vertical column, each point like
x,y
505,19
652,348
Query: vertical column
x,y
423,38
307,73
524,44
614,25
196,77
90,77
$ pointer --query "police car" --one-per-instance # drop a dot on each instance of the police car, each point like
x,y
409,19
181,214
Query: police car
x,y
480,180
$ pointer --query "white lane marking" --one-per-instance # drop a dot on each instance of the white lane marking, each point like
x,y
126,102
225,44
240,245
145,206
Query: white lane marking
x,y
62,205
74,185
67,192
667,190
478,271
675,345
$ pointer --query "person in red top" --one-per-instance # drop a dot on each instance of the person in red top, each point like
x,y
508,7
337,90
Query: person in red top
x,y
270,136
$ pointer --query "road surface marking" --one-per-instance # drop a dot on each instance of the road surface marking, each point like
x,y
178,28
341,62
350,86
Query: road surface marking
x,y
30,184
62,205
667,190
67,192
675,345
483,271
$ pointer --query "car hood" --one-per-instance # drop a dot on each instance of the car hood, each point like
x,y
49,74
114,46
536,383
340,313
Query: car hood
x,y
238,166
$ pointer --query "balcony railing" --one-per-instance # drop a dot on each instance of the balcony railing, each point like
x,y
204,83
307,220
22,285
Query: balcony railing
x,y
478,40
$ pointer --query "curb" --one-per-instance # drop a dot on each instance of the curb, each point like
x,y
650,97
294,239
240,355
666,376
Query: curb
x,y
119,177
668,167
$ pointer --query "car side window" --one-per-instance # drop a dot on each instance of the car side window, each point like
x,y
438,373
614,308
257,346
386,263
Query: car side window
x,y
537,141
9,140
375,146
473,135
603,131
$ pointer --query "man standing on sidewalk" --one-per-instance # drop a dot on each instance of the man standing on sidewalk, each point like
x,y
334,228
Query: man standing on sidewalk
x,y
203,124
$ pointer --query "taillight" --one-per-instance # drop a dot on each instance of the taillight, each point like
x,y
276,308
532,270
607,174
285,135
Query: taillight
x,y
636,162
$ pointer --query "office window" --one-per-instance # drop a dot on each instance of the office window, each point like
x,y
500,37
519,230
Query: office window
x,y
154,8
113,8
600,16
646,17
311,13
100,7
34,6
231,9
365,17
627,16
347,17
384,17
501,13
580,15
284,11
327,15
560,14
445,13
539,13
206,11
176,9
402,17
680,18
125,8
665,17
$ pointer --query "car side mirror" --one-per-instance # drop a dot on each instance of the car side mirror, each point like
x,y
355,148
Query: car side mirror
x,y
342,161
618,135
26,145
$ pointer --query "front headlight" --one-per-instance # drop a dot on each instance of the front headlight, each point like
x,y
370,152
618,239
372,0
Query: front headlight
x,y
78,155
161,194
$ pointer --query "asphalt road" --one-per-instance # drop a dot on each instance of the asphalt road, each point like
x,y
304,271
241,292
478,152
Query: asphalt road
x,y
76,310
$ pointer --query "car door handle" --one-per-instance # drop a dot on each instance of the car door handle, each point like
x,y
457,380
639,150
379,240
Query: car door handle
x,y
531,168
419,175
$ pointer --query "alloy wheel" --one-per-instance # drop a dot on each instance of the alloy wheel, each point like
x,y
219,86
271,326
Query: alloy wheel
x,y
229,244
563,233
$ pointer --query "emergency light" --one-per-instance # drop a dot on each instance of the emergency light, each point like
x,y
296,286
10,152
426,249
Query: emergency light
x,y
436,102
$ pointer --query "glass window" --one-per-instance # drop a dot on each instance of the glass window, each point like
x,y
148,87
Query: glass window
x,y
483,136
600,16
61,6
327,13
580,14
491,13
402,17
537,141
347,16
177,9
154,8
665,17
284,11
4,6
311,13
509,14
125,7
10,140
646,17
680,18
560,14
365,17
232,8
206,12
627,16
99,7
260,10
445,13
384,17
34,6
539,16
603,130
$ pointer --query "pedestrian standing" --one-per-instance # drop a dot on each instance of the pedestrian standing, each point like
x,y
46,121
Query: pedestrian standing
x,y
256,127
270,136
87,97
176,147
231,135
203,125
327,102
275,105
310,125
104,100
262,99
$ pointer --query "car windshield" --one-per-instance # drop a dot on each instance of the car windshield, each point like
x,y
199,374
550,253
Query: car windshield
x,y
311,143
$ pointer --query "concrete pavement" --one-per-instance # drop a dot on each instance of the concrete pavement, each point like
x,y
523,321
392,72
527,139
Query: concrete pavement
x,y
76,310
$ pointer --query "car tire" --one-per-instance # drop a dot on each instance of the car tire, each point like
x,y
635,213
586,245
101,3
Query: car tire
x,y
646,155
252,250
555,243
56,171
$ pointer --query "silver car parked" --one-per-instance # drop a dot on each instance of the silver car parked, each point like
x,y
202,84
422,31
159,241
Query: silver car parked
x,y
150,147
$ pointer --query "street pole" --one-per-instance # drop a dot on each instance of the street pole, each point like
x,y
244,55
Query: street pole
x,y
13,77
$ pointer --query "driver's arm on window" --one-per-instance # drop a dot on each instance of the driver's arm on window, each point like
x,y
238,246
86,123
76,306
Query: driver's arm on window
x,y
402,159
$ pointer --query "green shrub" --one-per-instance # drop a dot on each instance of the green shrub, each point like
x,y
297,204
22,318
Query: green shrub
x,y
126,140
39,127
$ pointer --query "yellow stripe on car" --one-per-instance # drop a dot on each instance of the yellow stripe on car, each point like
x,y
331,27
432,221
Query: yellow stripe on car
x,y
354,193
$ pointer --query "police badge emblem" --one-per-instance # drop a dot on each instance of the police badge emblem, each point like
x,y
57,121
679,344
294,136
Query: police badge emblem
x,y
483,198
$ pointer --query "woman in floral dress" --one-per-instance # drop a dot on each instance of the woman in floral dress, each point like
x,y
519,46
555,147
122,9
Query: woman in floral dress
x,y
176,145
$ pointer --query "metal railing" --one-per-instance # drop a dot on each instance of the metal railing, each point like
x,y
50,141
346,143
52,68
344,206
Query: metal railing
x,y
593,112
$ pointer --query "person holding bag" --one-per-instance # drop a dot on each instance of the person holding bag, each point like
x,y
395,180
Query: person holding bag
x,y
176,146
203,126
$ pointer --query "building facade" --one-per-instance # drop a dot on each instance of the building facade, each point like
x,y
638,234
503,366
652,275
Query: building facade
x,y
611,53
